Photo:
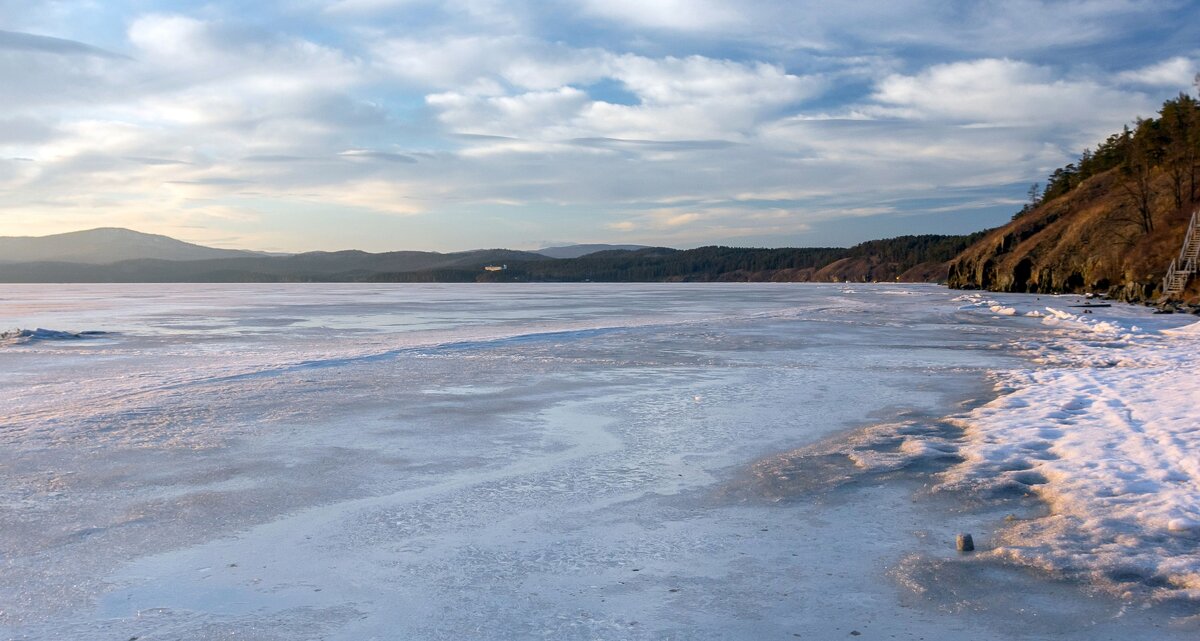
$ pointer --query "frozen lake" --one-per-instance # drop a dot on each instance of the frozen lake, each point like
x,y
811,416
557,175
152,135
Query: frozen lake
x,y
504,462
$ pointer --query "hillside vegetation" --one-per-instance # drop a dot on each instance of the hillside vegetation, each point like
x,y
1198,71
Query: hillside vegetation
x,y
906,258
1109,223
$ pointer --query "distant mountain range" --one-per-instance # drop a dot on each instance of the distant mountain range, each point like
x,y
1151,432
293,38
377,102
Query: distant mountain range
x,y
121,255
577,251
105,245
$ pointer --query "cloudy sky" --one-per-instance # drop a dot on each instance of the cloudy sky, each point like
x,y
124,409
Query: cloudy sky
x,y
406,124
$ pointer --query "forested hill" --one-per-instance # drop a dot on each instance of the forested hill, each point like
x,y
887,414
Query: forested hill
x,y
1109,223
906,258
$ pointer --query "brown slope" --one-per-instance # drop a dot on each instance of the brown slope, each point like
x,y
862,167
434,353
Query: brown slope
x,y
1083,241
865,269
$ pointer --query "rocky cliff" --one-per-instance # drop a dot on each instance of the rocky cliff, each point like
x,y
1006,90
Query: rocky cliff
x,y
1109,224
1085,241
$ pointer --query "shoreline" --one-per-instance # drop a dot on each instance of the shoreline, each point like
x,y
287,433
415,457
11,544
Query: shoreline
x,y
1012,502
1109,459
1174,306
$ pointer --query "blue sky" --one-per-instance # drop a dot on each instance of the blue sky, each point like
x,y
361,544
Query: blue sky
x,y
405,124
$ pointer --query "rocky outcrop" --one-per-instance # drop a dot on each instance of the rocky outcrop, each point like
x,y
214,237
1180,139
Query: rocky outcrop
x,y
1088,240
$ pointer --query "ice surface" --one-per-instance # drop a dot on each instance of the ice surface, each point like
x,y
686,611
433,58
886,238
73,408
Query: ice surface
x,y
515,462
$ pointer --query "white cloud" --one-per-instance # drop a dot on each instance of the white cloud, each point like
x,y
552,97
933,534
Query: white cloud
x,y
444,62
375,194
181,38
199,95
702,223
1178,72
684,15
366,6
1004,92
677,220
183,51
679,99
532,114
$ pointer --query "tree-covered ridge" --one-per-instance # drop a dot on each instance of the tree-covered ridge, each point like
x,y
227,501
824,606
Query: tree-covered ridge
x,y
888,259
910,251
1111,222
702,263
1168,143
873,260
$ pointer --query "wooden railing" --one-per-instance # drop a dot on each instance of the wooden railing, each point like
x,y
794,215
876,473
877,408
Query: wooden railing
x,y
1182,268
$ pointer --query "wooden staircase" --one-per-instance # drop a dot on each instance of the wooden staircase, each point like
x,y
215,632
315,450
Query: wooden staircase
x,y
1182,268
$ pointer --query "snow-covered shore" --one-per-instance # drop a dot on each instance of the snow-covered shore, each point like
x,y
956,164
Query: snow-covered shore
x,y
1106,430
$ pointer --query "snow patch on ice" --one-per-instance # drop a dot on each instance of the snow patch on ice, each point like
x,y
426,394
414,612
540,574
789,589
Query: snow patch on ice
x,y
1107,433
1186,330
17,336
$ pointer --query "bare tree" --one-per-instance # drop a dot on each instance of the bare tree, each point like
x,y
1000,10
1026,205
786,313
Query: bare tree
x,y
1137,174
